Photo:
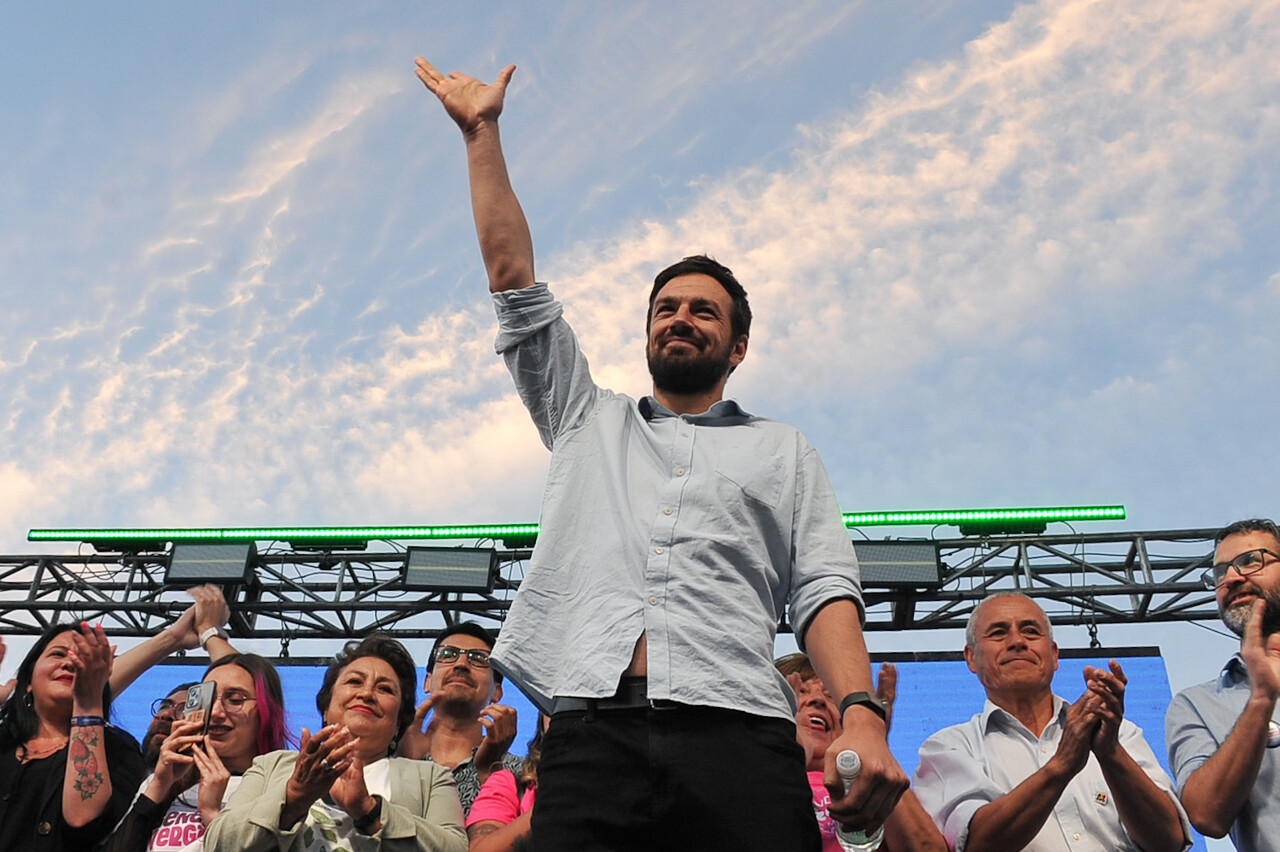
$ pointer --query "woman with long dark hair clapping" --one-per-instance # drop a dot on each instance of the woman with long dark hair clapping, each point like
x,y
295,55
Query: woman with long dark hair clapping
x,y
68,775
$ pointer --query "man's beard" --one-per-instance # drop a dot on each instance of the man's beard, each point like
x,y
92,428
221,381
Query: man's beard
x,y
464,706
687,375
151,749
1237,617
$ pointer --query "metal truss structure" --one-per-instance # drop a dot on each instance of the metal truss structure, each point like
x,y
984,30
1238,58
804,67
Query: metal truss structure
x,y
1081,579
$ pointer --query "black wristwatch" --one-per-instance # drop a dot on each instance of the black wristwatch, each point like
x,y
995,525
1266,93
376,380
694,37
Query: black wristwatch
x,y
866,699
371,818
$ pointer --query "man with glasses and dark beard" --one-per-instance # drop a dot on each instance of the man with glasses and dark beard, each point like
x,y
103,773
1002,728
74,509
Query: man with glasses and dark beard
x,y
164,712
1224,735
676,530
469,731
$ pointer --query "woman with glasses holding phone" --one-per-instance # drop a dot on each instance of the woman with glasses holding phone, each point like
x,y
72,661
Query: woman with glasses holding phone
x,y
197,771
342,789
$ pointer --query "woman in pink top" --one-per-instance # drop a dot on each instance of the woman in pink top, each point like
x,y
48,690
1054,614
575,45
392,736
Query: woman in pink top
x,y
817,724
499,817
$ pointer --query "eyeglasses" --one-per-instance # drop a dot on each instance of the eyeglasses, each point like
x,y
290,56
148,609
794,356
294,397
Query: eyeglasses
x,y
1247,563
165,705
449,654
233,701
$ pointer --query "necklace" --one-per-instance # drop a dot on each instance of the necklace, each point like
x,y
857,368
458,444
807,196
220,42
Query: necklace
x,y
31,751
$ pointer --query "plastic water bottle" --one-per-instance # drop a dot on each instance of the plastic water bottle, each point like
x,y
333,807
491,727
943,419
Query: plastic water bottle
x,y
849,765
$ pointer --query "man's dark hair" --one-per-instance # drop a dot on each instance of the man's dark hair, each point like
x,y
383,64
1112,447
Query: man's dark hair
x,y
700,264
1262,525
383,647
469,628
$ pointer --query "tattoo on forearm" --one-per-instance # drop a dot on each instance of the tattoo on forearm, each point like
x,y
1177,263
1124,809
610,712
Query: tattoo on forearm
x,y
88,774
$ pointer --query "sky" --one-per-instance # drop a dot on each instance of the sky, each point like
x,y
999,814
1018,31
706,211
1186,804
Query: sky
x,y
999,253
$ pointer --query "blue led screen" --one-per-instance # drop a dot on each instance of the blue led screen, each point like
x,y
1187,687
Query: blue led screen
x,y
934,690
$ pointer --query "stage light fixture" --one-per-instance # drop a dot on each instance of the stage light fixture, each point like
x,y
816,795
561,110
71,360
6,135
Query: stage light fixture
x,y
898,564
224,563
450,569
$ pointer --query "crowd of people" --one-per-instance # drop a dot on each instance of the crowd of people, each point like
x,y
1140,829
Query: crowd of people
x,y
1031,770
677,530
378,772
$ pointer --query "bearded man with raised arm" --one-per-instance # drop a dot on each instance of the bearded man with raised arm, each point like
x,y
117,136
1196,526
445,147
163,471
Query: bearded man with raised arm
x,y
1224,735
675,530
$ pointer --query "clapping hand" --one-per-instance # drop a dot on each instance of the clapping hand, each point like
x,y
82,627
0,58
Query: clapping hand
x,y
500,728
91,657
1108,688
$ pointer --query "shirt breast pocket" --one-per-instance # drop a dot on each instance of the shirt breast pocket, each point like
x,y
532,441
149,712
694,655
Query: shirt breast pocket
x,y
759,476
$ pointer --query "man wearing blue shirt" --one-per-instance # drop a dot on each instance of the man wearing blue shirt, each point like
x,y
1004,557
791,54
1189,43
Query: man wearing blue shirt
x,y
676,529
1224,735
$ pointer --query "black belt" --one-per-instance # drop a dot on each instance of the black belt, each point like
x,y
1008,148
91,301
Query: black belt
x,y
631,695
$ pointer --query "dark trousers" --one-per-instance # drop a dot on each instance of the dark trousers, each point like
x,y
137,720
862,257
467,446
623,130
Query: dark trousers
x,y
682,778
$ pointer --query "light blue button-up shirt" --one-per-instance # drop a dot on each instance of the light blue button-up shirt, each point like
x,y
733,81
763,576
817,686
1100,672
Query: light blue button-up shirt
x,y
696,530
1195,726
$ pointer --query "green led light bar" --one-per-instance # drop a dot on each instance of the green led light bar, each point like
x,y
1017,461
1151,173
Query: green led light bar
x,y
980,517
286,533
524,534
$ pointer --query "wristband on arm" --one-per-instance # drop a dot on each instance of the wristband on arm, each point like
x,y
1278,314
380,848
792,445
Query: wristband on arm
x,y
865,699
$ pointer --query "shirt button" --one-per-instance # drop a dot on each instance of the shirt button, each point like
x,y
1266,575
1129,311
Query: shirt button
x,y
1044,750
679,471
653,600
1075,837
658,550
684,434
43,828
666,511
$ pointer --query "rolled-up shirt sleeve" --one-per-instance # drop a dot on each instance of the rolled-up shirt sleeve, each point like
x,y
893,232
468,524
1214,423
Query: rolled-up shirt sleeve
x,y
825,567
951,784
542,354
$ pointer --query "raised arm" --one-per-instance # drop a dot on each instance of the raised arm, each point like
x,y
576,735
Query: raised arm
x,y
209,611
505,243
86,788
1214,794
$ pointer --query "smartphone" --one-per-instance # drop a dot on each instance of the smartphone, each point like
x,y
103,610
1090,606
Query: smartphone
x,y
200,700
